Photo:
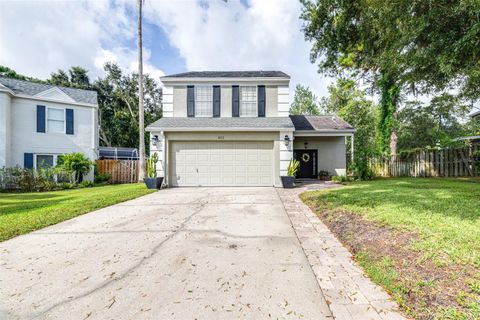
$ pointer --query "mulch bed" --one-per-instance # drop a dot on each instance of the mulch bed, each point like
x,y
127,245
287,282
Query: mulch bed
x,y
428,287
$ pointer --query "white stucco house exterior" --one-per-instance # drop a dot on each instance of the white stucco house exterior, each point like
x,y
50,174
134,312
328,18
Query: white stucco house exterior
x,y
234,129
39,122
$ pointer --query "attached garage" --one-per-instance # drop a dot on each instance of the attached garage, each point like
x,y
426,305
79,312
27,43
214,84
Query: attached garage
x,y
222,163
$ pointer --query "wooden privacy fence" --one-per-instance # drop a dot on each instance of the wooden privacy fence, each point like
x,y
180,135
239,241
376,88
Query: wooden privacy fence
x,y
121,171
460,162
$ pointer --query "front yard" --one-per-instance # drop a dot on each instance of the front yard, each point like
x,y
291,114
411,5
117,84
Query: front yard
x,y
25,212
418,238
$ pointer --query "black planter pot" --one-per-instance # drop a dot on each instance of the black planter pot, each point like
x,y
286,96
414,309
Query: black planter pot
x,y
153,183
288,182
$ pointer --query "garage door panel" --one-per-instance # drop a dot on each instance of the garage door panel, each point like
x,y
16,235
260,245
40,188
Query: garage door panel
x,y
221,163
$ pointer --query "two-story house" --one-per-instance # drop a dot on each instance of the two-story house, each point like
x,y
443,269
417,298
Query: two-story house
x,y
234,129
39,122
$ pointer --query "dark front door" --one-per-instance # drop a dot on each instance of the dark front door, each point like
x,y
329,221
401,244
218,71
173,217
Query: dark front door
x,y
308,161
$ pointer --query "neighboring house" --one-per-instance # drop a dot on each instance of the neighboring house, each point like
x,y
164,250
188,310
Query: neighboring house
x,y
234,129
475,115
475,140
39,122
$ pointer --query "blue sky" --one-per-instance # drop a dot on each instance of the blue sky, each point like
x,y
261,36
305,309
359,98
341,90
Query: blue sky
x,y
38,37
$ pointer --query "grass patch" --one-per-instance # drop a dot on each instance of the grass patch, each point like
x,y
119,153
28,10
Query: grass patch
x,y
21,213
418,238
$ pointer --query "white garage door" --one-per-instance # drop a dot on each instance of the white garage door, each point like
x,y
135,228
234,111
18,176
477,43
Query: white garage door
x,y
221,163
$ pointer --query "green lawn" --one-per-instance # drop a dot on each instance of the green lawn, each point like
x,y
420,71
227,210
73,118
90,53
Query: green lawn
x,y
443,217
24,212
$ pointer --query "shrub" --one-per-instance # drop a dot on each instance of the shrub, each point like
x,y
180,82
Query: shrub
x,y
341,179
101,177
86,184
76,163
361,170
66,185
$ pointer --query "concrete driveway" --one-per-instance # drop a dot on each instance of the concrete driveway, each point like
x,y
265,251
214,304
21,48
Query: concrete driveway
x,y
192,253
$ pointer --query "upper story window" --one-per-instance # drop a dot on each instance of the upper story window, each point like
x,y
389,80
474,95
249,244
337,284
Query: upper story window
x,y
203,101
248,101
56,120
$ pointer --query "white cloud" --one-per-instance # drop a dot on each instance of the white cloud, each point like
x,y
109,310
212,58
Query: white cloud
x,y
265,35
39,37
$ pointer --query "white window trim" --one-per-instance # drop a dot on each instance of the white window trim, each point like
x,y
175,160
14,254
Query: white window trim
x,y
64,120
55,157
195,98
240,101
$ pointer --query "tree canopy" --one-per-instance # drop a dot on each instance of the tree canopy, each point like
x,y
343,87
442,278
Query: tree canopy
x,y
304,102
397,46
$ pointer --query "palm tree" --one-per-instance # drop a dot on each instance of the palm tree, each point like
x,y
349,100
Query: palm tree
x,y
141,124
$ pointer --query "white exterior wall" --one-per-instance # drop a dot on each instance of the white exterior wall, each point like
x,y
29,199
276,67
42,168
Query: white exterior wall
x,y
26,139
159,149
5,129
283,101
285,152
167,101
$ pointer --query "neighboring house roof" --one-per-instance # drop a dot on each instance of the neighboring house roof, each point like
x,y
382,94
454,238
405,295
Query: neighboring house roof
x,y
321,124
475,114
230,74
226,124
28,88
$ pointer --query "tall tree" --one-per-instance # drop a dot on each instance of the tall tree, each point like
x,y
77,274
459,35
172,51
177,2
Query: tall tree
x,y
59,78
304,102
79,77
421,46
118,106
141,124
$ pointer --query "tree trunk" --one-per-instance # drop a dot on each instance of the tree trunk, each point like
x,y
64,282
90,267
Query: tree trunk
x,y
141,125
389,99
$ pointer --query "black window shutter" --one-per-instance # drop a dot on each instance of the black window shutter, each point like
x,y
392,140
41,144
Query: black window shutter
x,y
216,101
40,118
70,121
190,101
235,101
28,160
261,101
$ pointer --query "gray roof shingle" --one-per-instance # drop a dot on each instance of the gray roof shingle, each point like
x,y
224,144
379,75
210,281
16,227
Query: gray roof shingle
x,y
29,88
230,74
320,123
230,123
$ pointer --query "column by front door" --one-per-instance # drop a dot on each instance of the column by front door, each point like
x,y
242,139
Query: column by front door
x,y
308,163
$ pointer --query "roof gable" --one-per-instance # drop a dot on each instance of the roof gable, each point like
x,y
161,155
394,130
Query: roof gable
x,y
56,94
34,89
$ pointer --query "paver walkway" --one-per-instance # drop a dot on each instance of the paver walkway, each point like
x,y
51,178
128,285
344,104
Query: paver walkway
x,y
349,293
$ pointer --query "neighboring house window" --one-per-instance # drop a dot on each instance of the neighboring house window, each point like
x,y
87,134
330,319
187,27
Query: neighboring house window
x,y
43,161
203,101
248,101
56,120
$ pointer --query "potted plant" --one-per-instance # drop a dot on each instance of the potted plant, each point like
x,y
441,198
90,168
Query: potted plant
x,y
323,175
288,181
153,182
